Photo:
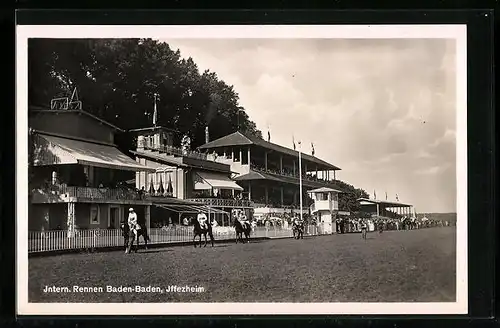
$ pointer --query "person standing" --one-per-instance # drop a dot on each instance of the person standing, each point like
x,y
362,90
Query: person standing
x,y
364,227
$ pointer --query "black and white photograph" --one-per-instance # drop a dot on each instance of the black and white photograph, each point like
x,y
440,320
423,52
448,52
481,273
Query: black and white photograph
x,y
241,170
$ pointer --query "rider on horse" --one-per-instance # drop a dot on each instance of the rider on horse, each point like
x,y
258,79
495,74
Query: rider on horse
x,y
202,220
132,221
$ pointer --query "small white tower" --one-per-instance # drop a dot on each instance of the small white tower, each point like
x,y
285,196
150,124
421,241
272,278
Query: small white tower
x,y
325,208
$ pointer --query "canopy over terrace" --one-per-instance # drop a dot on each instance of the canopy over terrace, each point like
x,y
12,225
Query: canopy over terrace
x,y
385,208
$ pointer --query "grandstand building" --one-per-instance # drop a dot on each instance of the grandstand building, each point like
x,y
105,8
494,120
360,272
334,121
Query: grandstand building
x,y
184,182
268,173
76,173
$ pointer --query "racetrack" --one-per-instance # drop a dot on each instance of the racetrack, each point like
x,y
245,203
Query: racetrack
x,y
395,266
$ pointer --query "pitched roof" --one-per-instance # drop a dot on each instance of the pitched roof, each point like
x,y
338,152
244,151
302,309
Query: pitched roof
x,y
325,189
385,203
239,139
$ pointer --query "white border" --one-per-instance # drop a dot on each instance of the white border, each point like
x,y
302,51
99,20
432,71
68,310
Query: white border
x,y
457,32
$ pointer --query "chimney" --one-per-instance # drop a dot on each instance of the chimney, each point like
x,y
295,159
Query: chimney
x,y
207,136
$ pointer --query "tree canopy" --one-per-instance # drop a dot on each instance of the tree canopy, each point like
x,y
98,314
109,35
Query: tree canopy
x,y
116,79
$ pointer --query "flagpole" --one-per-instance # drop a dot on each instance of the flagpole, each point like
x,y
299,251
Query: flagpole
x,y
300,178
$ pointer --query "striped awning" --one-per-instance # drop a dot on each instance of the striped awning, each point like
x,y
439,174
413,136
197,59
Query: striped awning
x,y
207,181
52,150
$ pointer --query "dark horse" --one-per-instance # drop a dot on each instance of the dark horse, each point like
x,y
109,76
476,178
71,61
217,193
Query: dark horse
x,y
242,228
199,231
298,229
129,237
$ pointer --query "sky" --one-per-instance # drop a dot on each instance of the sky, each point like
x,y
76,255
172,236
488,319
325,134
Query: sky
x,y
383,110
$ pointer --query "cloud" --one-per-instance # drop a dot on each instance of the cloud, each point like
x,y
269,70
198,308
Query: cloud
x,y
383,110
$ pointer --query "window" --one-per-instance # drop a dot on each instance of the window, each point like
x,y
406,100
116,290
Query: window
x,y
94,214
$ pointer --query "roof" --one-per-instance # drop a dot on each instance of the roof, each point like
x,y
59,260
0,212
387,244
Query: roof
x,y
324,189
38,109
253,175
70,151
178,206
382,202
240,139
153,128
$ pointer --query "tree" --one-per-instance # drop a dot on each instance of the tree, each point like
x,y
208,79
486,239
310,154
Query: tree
x,y
116,80
348,199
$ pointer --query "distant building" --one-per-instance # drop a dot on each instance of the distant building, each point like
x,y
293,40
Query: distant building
x,y
77,173
268,173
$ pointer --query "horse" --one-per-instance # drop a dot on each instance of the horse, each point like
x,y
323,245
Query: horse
x,y
298,229
129,237
199,231
242,228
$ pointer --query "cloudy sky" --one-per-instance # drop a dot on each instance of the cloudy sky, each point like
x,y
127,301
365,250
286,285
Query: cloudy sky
x,y
382,110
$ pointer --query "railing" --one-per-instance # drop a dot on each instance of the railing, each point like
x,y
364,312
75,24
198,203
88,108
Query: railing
x,y
171,150
57,240
221,202
89,193
288,174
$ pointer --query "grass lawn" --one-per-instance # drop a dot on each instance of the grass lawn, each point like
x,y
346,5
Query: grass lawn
x,y
395,266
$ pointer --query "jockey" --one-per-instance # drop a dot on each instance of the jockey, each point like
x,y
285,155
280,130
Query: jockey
x,y
202,220
132,221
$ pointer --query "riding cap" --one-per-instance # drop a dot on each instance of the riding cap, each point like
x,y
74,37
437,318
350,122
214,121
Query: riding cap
x,y
130,209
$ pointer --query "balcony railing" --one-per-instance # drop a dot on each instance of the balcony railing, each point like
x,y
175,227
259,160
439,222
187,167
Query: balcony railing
x,y
287,174
221,202
90,193
175,151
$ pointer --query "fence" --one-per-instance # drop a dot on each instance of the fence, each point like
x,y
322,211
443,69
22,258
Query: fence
x,y
57,240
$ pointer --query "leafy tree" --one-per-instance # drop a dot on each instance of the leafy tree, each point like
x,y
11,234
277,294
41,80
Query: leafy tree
x,y
348,199
117,79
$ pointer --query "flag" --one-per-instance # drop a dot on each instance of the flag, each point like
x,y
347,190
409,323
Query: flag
x,y
386,195
293,140
397,198
312,146
155,112
374,194
268,136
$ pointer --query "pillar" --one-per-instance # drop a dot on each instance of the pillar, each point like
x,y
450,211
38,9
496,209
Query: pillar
x,y
281,189
334,175
249,161
317,173
294,171
378,210
266,194
249,191
281,163
241,156
147,217
71,220
232,154
265,160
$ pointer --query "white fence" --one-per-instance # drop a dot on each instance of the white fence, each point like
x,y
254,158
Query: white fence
x,y
55,240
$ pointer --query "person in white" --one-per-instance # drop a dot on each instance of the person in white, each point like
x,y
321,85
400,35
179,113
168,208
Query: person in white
x,y
132,221
202,219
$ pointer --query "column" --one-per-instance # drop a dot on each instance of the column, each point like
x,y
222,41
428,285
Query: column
x,y
265,160
334,175
241,156
294,171
232,154
147,217
249,191
317,173
305,168
249,161
71,220
281,163
378,210
281,189
266,194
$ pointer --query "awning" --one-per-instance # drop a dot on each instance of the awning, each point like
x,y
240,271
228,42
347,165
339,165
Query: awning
x,y
57,150
194,209
207,181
